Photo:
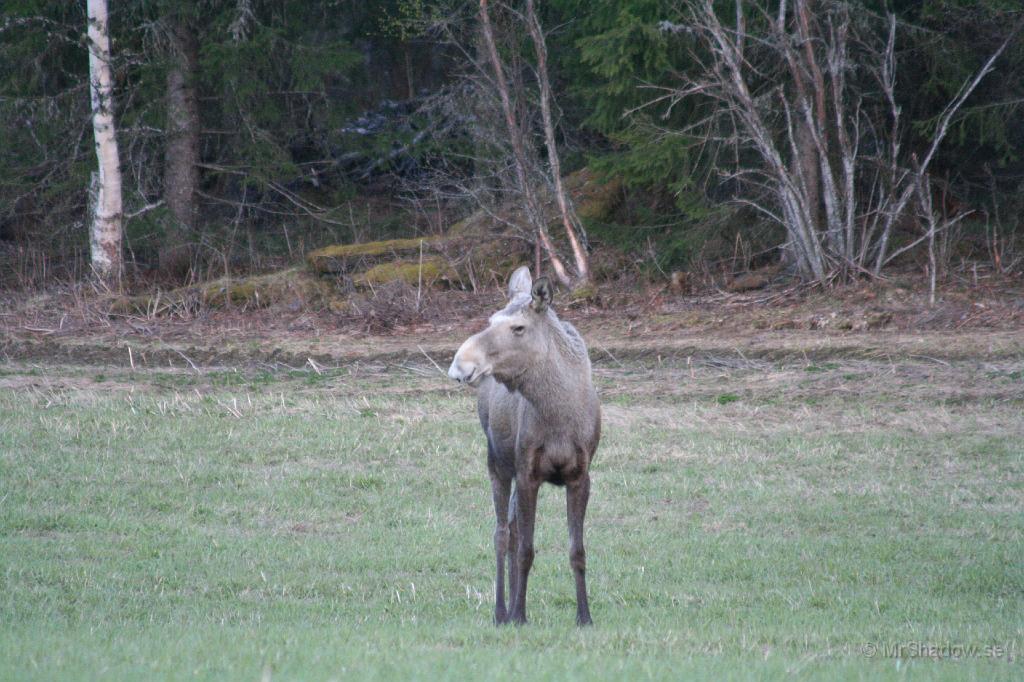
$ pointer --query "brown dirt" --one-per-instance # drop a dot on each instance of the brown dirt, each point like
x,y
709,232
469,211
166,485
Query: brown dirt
x,y
867,321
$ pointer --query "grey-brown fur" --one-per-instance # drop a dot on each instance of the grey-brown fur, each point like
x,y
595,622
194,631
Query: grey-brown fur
x,y
540,413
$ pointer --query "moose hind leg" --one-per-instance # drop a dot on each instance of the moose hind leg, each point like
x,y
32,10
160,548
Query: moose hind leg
x,y
500,491
576,496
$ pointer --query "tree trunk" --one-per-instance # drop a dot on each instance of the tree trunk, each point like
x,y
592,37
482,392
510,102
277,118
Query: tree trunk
x,y
569,218
181,156
409,81
105,229
533,208
804,166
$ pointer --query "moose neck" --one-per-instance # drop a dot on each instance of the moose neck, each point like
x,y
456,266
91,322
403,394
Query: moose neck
x,y
559,382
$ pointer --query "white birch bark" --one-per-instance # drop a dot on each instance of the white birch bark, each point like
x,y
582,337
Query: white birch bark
x,y
105,228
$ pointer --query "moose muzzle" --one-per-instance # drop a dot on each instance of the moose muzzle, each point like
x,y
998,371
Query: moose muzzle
x,y
468,366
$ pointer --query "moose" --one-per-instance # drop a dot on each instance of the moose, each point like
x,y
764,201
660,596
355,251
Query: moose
x,y
541,415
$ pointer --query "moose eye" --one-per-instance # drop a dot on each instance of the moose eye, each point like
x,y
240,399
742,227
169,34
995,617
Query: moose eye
x,y
518,329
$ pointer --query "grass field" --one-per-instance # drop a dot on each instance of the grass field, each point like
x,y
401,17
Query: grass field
x,y
749,520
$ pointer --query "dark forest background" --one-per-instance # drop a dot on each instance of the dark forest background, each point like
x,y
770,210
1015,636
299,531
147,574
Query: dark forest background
x,y
335,121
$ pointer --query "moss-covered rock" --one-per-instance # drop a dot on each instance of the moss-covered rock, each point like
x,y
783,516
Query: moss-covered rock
x,y
464,226
296,287
584,294
344,258
429,272
159,303
595,198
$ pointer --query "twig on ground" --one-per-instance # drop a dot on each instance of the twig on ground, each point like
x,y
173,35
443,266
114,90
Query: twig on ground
x,y
430,358
608,353
191,364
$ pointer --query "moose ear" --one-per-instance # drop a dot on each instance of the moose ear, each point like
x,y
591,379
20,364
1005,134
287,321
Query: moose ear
x,y
519,282
542,294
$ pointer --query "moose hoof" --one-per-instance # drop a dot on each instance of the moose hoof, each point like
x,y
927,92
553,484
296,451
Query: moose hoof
x,y
517,619
500,617
584,621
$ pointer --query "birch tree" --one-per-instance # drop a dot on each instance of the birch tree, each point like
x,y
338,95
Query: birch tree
x,y
570,221
815,127
105,229
534,210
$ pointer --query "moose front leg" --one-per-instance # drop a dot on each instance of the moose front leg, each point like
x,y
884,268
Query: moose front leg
x,y
500,490
577,494
513,550
526,514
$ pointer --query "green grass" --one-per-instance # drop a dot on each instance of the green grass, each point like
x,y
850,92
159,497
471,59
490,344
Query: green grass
x,y
238,526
